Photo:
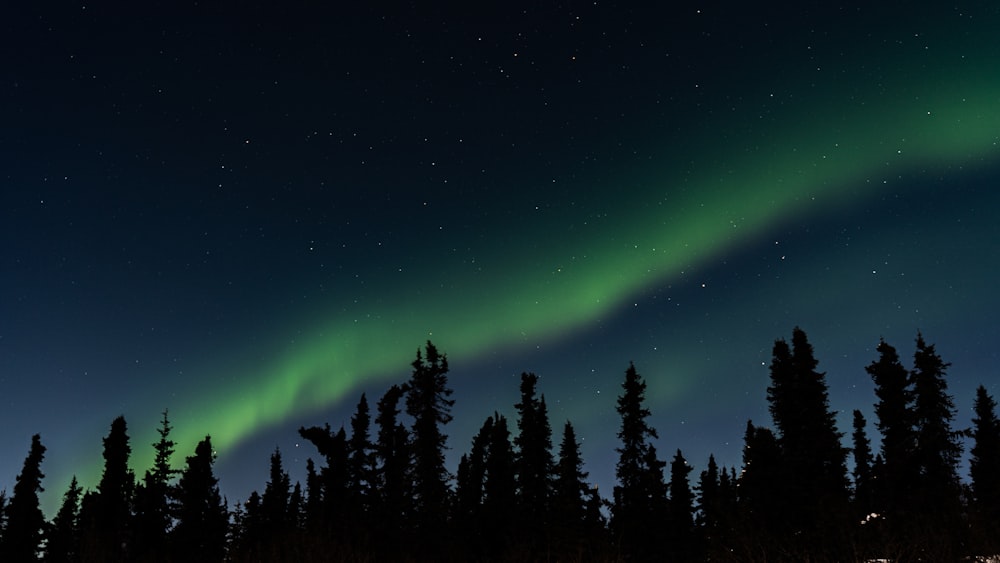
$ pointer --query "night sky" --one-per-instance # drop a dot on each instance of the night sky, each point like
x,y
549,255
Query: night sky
x,y
249,215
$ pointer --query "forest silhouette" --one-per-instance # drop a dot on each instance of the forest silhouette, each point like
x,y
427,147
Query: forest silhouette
x,y
380,489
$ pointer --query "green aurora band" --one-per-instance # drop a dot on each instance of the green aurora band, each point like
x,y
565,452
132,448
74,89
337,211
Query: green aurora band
x,y
817,160
647,248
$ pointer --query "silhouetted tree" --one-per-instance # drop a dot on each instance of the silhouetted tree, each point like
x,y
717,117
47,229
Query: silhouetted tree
x,y
3,514
760,488
569,498
105,515
470,482
984,469
640,497
813,461
534,465
499,489
862,473
312,511
864,481
334,477
428,403
393,505
63,539
895,476
272,539
717,507
937,455
247,530
708,518
680,534
202,519
25,521
296,507
361,468
152,518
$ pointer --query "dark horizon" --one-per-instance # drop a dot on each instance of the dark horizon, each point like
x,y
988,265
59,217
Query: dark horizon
x,y
522,490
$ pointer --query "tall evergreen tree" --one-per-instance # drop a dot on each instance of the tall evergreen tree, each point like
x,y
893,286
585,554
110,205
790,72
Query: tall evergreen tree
x,y
25,521
63,540
984,470
895,471
569,497
717,508
152,519
862,473
277,490
202,518
105,515
275,526
760,488
335,519
937,457
640,495
246,534
680,534
709,510
313,506
361,466
296,508
471,480
534,465
813,461
393,505
499,489
428,404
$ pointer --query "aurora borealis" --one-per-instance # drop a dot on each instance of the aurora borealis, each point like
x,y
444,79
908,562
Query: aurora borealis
x,y
249,216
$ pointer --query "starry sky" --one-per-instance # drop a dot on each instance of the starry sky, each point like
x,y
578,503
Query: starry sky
x,y
249,214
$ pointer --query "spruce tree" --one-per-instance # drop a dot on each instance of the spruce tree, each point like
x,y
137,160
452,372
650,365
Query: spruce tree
x,y
202,518
361,466
334,478
938,488
152,519
984,470
105,514
862,473
25,521
813,461
639,508
247,530
296,508
569,496
680,534
63,540
499,490
709,510
428,404
275,522
760,486
470,484
534,463
717,508
393,505
895,471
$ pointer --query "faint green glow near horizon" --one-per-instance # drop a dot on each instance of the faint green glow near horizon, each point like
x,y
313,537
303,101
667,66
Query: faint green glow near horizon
x,y
819,166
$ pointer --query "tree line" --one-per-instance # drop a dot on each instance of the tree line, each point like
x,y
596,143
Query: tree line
x,y
381,490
